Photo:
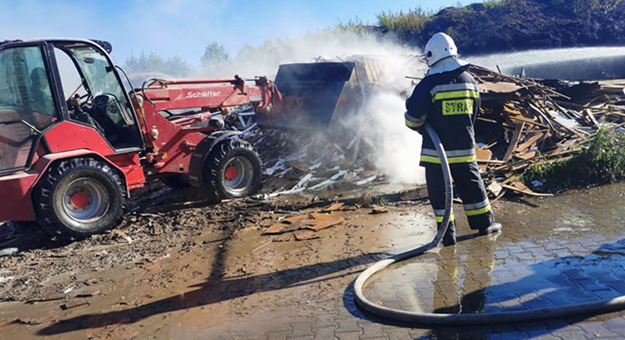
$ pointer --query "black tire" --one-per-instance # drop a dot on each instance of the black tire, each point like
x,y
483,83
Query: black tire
x,y
100,204
238,154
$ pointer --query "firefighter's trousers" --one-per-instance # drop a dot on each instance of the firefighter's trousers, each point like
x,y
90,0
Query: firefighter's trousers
x,y
469,186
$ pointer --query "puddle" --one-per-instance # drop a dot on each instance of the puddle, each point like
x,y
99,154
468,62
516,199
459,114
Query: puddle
x,y
557,251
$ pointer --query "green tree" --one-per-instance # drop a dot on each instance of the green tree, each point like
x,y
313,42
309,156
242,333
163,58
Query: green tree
x,y
215,53
153,62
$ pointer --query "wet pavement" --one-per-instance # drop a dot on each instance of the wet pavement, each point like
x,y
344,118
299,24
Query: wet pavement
x,y
553,251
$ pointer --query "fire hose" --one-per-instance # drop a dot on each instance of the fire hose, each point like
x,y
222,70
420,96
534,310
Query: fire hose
x,y
599,307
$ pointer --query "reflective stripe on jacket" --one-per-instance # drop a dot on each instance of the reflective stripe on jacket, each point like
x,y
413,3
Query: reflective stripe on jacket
x,y
449,102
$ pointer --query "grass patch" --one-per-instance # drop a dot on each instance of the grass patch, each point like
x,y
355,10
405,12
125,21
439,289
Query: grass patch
x,y
403,23
602,161
489,4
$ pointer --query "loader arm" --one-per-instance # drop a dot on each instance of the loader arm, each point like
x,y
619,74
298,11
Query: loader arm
x,y
215,95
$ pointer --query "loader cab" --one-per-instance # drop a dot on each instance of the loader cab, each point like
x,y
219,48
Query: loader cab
x,y
37,81
93,93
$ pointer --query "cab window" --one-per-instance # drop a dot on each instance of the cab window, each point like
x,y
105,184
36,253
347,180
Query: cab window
x,y
25,91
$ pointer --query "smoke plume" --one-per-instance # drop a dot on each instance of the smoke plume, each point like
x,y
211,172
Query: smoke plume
x,y
380,121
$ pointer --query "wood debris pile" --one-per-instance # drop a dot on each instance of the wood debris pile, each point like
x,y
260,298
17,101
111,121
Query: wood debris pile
x,y
524,123
296,162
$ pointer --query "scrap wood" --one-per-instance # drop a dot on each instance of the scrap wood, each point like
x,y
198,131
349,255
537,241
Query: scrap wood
x,y
378,210
527,121
303,235
333,207
522,188
282,228
513,142
483,154
526,155
75,304
325,223
494,188
501,194
529,142
9,323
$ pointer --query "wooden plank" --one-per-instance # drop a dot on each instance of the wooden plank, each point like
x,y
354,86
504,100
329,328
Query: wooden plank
x,y
513,142
487,120
539,104
526,156
528,121
501,194
529,143
526,192
483,154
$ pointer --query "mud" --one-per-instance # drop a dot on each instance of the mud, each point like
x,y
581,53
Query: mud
x,y
206,271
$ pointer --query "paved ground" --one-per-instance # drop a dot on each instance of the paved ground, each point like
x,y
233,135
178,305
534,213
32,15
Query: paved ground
x,y
555,251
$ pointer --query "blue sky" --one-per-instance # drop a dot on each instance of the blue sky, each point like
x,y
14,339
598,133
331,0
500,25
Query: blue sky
x,y
185,27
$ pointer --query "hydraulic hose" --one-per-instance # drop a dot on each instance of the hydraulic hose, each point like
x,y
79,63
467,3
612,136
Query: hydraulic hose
x,y
599,307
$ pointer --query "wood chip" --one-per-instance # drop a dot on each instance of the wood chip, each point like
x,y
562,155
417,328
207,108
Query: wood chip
x,y
378,210
333,207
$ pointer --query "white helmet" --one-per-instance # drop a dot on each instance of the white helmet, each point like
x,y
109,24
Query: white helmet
x,y
439,47
441,54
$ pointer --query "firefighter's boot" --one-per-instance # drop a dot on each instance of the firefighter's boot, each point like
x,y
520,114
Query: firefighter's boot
x,y
494,227
449,239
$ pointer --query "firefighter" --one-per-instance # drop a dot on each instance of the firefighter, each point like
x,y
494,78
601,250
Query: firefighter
x,y
448,99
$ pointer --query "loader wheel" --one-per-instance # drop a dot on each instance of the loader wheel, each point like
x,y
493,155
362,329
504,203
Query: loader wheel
x,y
80,197
233,169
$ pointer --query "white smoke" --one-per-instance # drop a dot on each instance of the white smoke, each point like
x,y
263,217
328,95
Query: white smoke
x,y
396,148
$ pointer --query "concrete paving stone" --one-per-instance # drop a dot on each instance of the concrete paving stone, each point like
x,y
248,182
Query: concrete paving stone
x,y
347,325
574,274
615,326
605,294
371,330
553,246
325,320
310,337
323,333
597,330
348,335
300,329
569,333
419,333
546,337
513,335
279,335
515,249
604,277
397,333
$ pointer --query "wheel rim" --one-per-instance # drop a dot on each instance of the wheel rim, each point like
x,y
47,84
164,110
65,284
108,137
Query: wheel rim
x,y
85,199
238,174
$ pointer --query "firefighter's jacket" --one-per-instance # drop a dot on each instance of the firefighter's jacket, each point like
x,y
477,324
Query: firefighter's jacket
x,y
449,102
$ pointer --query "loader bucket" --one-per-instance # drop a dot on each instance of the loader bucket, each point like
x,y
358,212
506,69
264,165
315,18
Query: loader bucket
x,y
317,95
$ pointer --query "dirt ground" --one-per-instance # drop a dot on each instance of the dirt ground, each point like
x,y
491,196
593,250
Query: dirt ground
x,y
191,270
